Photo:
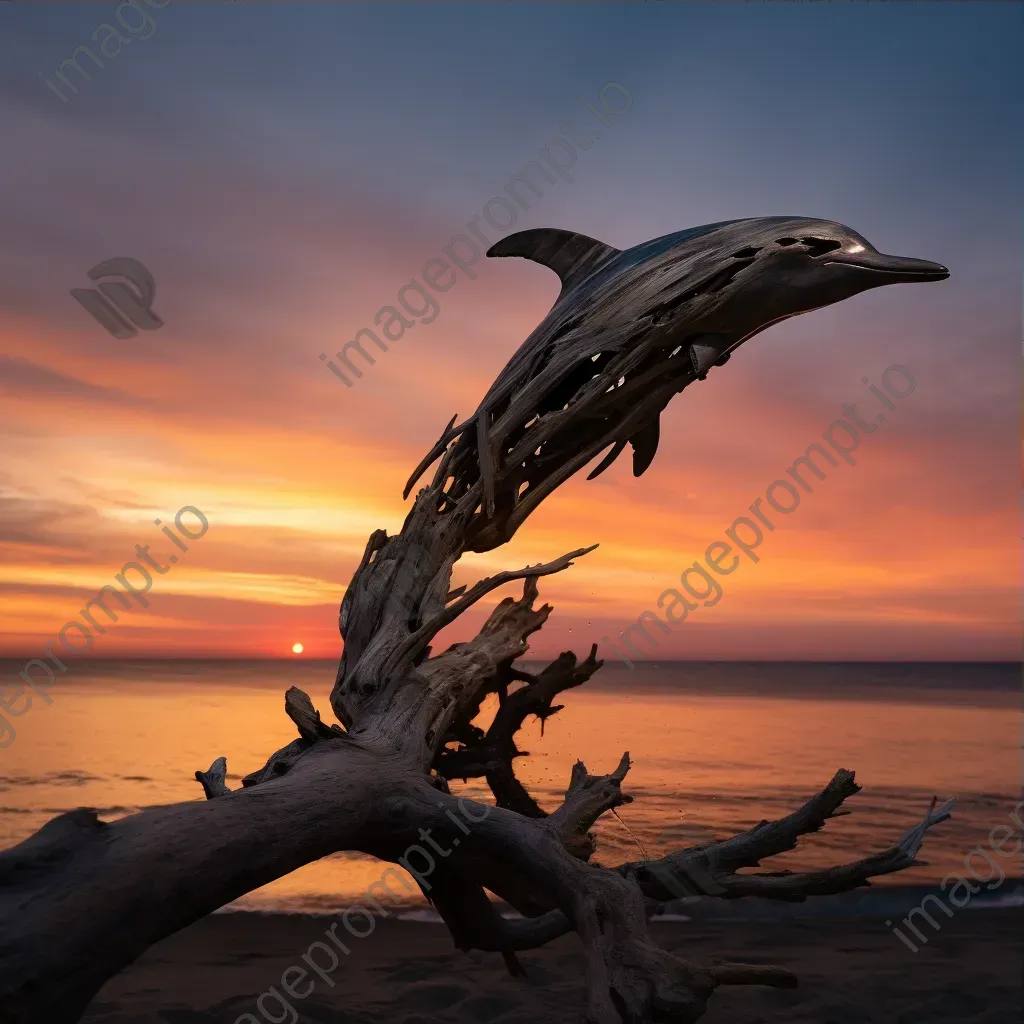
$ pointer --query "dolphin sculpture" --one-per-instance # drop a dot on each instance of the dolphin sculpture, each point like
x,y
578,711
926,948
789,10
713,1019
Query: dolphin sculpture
x,y
685,300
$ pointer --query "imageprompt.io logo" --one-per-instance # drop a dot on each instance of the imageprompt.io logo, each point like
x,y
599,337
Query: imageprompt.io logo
x,y
116,306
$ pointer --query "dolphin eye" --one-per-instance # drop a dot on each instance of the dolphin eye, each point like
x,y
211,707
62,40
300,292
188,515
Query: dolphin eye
x,y
820,246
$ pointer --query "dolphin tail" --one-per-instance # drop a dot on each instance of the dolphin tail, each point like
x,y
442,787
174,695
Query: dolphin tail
x,y
645,445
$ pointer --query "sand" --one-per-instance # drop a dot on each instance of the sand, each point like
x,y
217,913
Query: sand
x,y
852,971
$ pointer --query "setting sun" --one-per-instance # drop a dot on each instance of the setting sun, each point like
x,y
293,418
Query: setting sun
x,y
297,648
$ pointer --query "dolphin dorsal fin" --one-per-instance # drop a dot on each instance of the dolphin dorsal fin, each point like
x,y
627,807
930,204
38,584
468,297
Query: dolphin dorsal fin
x,y
570,255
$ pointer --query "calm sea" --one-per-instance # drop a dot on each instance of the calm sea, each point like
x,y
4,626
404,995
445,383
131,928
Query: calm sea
x,y
716,747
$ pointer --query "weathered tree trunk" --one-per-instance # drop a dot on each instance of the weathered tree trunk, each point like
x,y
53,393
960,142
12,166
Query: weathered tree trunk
x,y
81,899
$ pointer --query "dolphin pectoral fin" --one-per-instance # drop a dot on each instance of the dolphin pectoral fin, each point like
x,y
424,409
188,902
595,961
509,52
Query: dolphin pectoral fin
x,y
645,445
570,255
608,459
703,357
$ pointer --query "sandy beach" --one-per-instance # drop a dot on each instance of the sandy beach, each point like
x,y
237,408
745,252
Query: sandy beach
x,y
852,971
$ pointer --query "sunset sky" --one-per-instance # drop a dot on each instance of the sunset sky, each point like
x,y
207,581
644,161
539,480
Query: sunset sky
x,y
284,170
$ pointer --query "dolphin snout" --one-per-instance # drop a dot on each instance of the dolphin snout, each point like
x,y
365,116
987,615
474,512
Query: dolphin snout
x,y
899,268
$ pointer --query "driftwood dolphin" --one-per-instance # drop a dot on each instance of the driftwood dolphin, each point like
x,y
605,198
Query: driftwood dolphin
x,y
686,299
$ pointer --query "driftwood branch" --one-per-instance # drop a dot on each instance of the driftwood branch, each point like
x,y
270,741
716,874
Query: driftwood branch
x,y
594,376
711,869
416,643
490,754
213,780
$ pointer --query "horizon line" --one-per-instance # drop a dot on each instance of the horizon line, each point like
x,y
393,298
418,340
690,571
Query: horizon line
x,y
293,659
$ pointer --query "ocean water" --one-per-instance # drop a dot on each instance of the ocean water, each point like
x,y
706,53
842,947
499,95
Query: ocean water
x,y
716,748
